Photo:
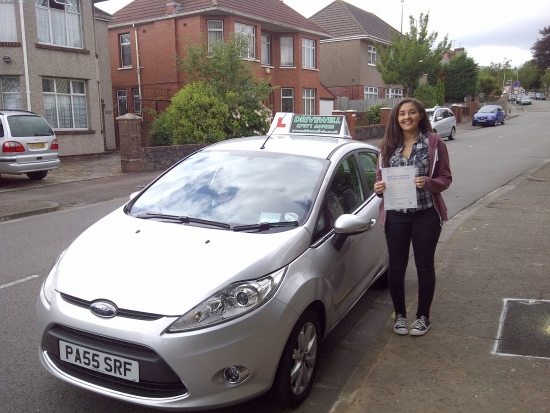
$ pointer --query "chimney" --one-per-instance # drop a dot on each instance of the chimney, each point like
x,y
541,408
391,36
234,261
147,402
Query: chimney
x,y
172,7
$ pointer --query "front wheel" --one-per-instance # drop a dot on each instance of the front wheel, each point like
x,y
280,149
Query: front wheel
x,y
298,364
36,176
453,134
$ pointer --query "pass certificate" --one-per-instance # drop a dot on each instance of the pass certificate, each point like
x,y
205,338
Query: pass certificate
x,y
400,190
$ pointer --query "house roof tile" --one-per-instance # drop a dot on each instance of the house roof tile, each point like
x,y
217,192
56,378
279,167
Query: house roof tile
x,y
270,11
342,19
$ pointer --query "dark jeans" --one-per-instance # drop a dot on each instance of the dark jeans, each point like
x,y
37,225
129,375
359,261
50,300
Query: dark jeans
x,y
423,229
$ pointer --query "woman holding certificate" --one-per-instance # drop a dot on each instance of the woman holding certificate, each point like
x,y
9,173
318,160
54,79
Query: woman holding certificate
x,y
412,171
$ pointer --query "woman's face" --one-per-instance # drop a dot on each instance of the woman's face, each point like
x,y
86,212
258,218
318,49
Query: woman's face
x,y
408,117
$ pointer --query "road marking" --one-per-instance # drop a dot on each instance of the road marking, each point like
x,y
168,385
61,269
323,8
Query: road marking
x,y
19,281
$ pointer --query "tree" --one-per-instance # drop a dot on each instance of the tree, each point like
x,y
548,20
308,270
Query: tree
x,y
541,49
410,56
426,94
460,77
488,84
528,75
440,92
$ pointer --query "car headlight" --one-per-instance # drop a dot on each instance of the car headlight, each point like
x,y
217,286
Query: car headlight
x,y
47,286
230,302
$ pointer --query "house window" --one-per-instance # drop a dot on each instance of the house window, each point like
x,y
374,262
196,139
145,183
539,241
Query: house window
x,y
215,33
122,102
249,33
137,101
287,100
65,103
11,93
287,51
371,92
308,98
394,93
372,56
8,30
125,50
308,53
266,49
59,22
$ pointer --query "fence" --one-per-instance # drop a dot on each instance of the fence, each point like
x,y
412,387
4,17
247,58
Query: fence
x,y
361,106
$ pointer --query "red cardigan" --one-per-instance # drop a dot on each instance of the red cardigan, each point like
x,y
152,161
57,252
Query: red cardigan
x,y
440,177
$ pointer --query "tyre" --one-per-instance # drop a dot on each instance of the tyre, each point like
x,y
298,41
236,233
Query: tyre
x,y
36,176
451,137
298,364
474,123
502,123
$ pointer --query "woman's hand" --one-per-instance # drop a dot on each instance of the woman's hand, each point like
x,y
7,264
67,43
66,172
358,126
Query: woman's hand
x,y
420,181
379,187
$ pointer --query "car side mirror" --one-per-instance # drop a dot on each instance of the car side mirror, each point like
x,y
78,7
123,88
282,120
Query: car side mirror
x,y
439,118
347,225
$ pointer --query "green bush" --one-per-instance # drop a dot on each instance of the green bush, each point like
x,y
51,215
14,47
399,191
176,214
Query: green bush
x,y
373,113
161,134
196,115
440,92
427,95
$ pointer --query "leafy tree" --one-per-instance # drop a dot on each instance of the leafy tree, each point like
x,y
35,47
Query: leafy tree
x,y
373,113
427,95
460,77
528,75
410,56
541,49
440,92
161,134
488,84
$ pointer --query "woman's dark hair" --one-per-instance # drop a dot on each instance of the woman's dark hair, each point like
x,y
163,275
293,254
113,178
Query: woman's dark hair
x,y
393,137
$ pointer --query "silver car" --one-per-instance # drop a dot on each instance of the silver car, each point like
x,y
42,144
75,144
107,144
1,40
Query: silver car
x,y
443,121
217,282
27,144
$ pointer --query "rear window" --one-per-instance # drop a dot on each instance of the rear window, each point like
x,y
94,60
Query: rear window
x,y
27,125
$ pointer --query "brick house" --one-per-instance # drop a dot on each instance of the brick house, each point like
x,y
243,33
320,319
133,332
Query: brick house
x,y
146,35
55,63
349,57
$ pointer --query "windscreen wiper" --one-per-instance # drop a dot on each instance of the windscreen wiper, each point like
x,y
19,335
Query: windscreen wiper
x,y
264,226
182,219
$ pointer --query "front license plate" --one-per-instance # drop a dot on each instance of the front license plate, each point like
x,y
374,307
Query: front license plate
x,y
96,360
35,145
482,120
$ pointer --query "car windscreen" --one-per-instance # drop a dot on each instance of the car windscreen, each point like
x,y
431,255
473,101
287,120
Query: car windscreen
x,y
28,125
430,114
236,188
486,109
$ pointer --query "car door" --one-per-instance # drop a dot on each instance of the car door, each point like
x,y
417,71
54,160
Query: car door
x,y
356,264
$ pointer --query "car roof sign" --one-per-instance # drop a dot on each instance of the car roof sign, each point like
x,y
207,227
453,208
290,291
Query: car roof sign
x,y
285,123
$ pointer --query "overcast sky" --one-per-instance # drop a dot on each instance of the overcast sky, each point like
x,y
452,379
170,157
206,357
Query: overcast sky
x,y
490,31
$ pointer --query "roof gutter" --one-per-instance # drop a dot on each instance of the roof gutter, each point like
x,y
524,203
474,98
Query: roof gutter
x,y
358,37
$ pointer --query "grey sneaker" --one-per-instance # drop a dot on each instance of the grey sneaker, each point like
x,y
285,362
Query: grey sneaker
x,y
420,326
400,325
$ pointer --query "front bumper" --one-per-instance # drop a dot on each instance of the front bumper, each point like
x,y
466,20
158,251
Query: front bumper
x,y
189,364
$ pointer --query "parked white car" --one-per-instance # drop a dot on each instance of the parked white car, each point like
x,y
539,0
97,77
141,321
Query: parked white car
x,y
443,121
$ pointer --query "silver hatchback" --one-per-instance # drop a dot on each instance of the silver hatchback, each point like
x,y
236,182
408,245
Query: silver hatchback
x,y
217,282
27,144
443,121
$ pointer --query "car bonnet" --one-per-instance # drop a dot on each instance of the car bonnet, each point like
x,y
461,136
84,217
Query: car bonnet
x,y
167,268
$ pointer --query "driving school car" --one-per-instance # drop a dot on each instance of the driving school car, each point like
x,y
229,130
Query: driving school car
x,y
217,282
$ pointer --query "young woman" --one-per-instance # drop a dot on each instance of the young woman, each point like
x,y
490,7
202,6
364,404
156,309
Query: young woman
x,y
409,141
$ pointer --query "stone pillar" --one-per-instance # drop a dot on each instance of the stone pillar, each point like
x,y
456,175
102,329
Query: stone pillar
x,y
351,118
385,116
129,131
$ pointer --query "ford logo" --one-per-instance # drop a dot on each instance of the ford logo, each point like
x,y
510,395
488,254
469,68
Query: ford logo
x,y
104,309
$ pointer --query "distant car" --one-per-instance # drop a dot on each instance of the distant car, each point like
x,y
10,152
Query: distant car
x,y
540,96
512,97
27,144
532,95
443,121
525,100
489,115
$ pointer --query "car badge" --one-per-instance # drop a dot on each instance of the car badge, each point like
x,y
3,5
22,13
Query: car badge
x,y
104,309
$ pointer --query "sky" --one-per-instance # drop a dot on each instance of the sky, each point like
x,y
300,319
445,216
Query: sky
x,y
490,31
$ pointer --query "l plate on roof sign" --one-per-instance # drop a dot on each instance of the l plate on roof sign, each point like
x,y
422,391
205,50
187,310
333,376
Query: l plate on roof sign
x,y
289,123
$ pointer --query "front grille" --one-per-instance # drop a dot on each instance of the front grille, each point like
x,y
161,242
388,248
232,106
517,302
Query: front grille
x,y
157,379
137,315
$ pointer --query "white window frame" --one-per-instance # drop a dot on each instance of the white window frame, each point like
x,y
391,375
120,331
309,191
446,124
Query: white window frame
x,y
308,53
249,32
308,101
11,98
266,49
286,44
125,50
215,33
394,93
8,27
136,100
122,99
288,98
70,107
59,22
370,92
372,56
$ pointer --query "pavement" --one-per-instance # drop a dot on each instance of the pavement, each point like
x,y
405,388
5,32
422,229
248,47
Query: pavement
x,y
488,349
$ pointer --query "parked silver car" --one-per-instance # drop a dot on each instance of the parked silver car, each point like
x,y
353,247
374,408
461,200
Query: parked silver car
x,y
217,281
27,144
443,121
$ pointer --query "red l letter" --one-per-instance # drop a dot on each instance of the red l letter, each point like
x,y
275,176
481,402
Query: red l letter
x,y
280,123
